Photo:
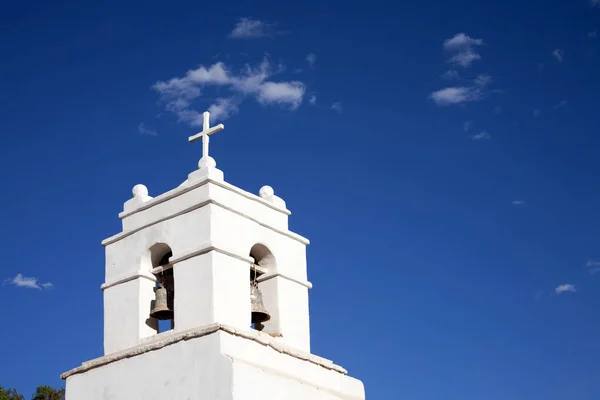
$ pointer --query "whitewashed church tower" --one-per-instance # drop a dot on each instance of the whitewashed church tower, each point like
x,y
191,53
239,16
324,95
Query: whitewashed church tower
x,y
183,314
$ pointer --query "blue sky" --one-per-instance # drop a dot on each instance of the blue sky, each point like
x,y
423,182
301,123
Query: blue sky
x,y
442,157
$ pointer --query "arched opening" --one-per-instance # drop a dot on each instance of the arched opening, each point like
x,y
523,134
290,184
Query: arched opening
x,y
263,262
162,307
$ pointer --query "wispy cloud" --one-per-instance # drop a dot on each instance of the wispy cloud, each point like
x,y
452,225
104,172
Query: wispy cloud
x,y
248,28
467,126
462,47
456,95
561,104
178,93
566,287
223,108
518,202
536,112
558,54
483,80
312,100
449,75
483,135
311,59
27,282
595,3
145,131
593,266
463,50
337,106
593,34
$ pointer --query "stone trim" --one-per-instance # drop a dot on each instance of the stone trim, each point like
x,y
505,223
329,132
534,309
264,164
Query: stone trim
x,y
182,190
127,278
198,252
150,275
263,278
122,235
259,337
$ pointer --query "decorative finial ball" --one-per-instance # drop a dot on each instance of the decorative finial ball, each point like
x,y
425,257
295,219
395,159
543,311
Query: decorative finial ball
x,y
139,191
266,191
207,162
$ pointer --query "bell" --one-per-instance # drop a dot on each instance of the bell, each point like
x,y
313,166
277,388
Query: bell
x,y
161,308
259,314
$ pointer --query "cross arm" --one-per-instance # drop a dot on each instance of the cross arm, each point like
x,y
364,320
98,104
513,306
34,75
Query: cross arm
x,y
209,132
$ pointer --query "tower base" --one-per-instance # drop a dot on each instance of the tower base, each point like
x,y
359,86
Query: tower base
x,y
210,363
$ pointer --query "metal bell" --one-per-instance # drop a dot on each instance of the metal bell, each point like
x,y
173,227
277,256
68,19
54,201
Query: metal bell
x,y
259,314
161,308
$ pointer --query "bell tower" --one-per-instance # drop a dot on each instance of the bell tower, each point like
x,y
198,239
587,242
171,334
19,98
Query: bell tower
x,y
206,292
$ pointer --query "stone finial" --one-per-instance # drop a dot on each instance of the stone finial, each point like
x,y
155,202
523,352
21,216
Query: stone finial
x,y
140,196
267,193
207,162
139,191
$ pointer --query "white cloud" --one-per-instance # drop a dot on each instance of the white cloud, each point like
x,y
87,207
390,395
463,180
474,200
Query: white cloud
x,y
311,58
223,109
463,47
449,75
178,93
216,74
464,58
312,100
456,95
593,266
567,287
467,126
518,202
593,34
282,92
28,282
145,131
249,28
481,136
460,41
337,106
558,54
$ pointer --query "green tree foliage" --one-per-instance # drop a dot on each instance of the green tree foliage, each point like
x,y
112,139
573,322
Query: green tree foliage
x,y
47,393
9,394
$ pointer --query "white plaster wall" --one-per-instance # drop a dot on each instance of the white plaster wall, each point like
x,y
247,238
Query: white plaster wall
x,y
183,234
242,233
123,306
184,198
281,376
189,370
210,288
219,366
127,305
254,207
286,301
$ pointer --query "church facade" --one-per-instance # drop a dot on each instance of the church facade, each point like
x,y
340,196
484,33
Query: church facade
x,y
206,297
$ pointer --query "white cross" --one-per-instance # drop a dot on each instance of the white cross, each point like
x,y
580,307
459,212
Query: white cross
x,y
206,131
